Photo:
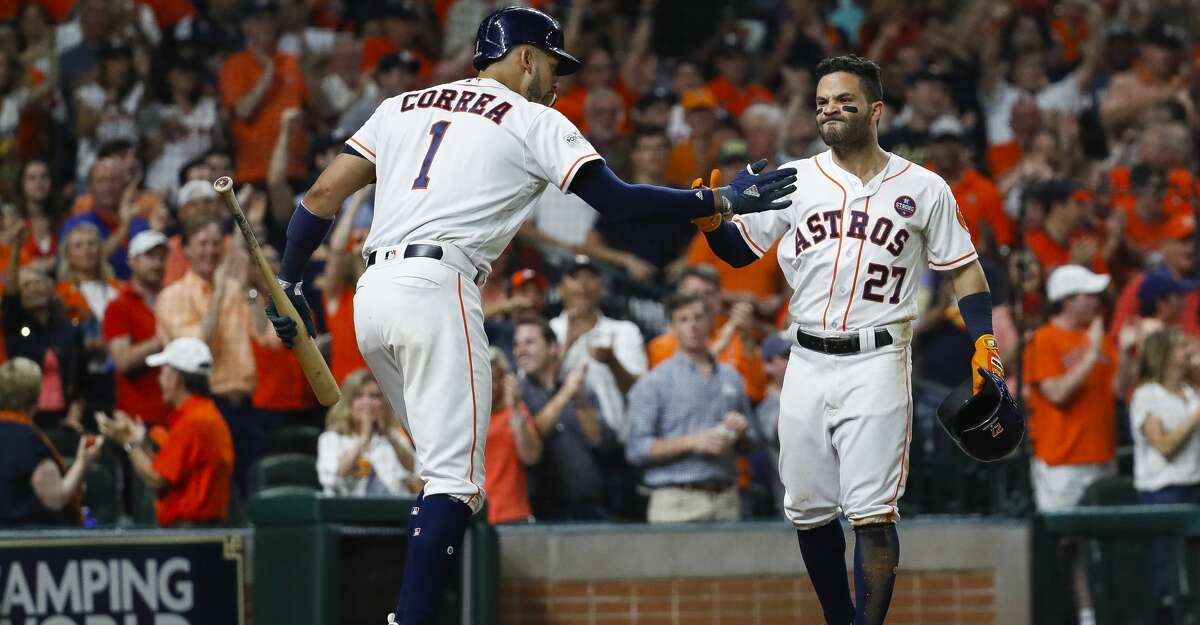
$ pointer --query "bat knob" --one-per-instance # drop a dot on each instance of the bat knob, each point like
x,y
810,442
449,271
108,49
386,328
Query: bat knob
x,y
223,184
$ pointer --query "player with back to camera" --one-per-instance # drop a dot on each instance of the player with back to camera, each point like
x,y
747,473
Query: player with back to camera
x,y
456,168
855,241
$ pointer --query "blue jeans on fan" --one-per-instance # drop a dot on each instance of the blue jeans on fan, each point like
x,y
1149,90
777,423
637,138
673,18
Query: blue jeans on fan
x,y
1160,547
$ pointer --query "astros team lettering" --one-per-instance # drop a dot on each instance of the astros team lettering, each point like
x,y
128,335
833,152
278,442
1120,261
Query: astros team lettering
x,y
826,226
454,101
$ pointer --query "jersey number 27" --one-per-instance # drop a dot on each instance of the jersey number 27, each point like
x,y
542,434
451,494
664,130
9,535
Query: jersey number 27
x,y
878,278
438,132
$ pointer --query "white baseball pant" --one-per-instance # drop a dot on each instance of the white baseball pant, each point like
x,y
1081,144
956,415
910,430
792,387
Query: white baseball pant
x,y
845,424
419,323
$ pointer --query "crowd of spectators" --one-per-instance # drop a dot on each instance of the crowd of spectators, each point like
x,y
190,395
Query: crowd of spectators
x,y
635,375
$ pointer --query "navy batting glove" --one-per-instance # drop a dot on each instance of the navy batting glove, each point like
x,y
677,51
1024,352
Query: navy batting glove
x,y
285,327
751,192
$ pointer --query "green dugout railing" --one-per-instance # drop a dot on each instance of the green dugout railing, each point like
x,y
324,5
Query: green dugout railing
x,y
322,560
1116,548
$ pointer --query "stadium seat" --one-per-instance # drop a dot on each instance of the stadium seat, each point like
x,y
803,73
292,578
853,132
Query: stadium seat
x,y
1111,491
284,470
295,439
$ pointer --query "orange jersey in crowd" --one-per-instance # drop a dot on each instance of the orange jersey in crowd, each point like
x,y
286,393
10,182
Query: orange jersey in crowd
x,y
505,480
981,205
746,361
254,137
761,277
344,357
1084,431
1051,253
1180,199
197,463
1150,235
683,166
735,100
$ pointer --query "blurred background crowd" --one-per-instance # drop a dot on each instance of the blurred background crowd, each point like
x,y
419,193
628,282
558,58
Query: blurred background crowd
x,y
1067,131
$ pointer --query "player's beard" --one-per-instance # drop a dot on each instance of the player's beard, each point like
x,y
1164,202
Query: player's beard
x,y
854,130
537,93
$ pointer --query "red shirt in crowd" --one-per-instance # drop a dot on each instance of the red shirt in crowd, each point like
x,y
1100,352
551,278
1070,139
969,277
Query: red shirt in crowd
x,y
197,463
1128,307
138,393
281,383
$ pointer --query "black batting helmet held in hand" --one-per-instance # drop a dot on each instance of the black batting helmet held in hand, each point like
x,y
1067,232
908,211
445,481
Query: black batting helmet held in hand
x,y
511,26
987,426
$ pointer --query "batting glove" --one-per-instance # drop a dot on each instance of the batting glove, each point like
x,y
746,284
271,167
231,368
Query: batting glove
x,y
752,192
285,326
986,358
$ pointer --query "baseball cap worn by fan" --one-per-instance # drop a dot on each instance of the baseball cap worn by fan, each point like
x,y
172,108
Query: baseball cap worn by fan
x,y
700,98
1159,284
195,190
1068,280
145,241
946,127
187,354
733,151
403,59
527,276
581,262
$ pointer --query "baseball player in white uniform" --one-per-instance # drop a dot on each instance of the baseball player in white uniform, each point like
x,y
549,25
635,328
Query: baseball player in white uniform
x,y
863,226
457,167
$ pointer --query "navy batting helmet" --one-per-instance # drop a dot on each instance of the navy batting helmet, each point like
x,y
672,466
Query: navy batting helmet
x,y
511,26
987,426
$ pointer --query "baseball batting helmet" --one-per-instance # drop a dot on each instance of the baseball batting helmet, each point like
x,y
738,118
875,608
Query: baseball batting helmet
x,y
511,26
987,426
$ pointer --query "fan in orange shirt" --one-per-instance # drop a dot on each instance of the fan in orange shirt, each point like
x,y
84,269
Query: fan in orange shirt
x,y
732,86
343,266
731,341
977,197
1148,222
257,85
400,28
282,394
695,157
1063,238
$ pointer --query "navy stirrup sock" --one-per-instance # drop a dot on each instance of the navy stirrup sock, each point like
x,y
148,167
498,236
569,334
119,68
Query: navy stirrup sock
x,y
434,540
824,551
876,555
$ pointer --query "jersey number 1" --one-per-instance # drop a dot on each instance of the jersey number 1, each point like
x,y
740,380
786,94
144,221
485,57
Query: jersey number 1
x,y
438,132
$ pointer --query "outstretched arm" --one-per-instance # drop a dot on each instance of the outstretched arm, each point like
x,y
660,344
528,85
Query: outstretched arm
x,y
619,200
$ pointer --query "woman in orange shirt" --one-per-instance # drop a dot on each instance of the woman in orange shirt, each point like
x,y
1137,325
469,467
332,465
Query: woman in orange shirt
x,y
513,443
343,266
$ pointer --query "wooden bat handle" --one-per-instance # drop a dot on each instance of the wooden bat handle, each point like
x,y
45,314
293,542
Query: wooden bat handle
x,y
316,371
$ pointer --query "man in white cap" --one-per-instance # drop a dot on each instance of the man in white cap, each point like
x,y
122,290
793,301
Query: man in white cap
x,y
197,199
130,330
1074,376
193,468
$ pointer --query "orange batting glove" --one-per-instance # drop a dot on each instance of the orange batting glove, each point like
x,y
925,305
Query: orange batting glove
x,y
712,222
987,357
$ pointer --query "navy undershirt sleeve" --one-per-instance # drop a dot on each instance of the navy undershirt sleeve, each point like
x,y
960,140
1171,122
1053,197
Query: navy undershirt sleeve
x,y
727,243
305,231
612,197
976,310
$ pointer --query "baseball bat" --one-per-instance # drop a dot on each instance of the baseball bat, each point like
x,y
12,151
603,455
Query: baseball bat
x,y
311,362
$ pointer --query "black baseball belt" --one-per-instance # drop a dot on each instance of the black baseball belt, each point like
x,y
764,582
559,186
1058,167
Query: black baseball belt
x,y
422,250
839,345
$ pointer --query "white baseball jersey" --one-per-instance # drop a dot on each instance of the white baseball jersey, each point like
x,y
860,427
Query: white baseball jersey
x,y
462,162
853,252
